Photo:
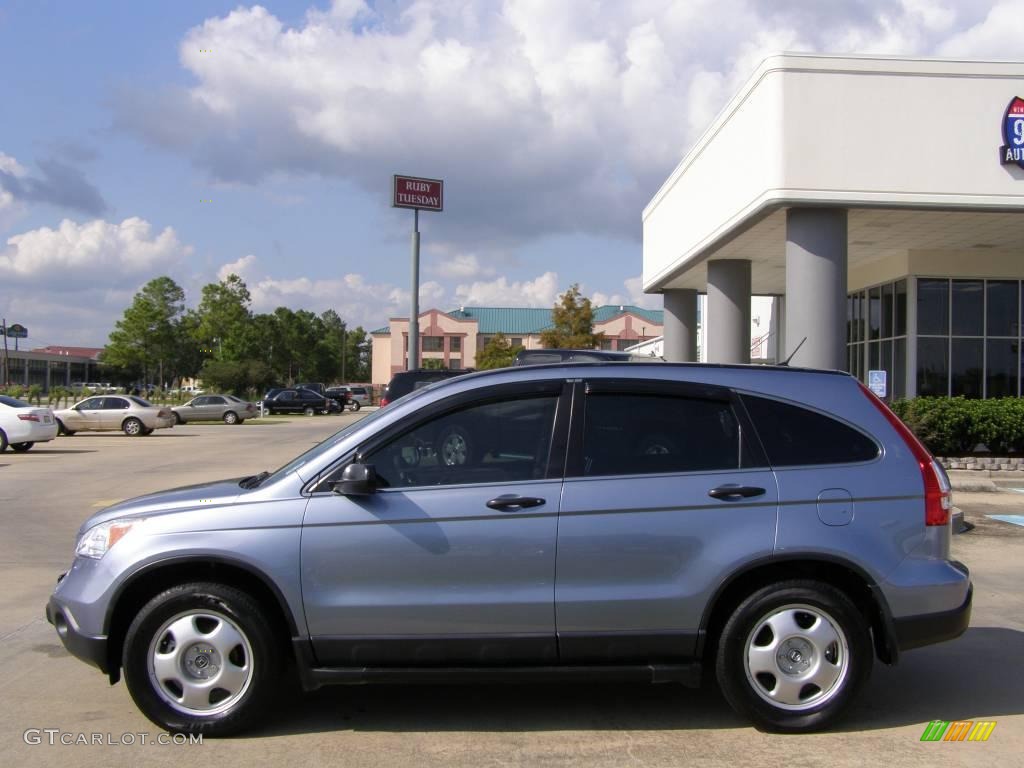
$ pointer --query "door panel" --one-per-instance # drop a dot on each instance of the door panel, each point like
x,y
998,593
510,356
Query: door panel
x,y
639,558
441,565
431,575
115,409
667,495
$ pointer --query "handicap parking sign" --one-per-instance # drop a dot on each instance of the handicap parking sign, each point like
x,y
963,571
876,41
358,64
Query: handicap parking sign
x,y
877,383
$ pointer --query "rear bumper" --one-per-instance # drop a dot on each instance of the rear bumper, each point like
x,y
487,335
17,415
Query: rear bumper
x,y
92,650
926,629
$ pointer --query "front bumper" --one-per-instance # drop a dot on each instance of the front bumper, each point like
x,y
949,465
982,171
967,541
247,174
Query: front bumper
x,y
929,628
92,650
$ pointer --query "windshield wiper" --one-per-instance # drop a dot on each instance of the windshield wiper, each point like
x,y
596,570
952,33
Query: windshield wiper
x,y
254,481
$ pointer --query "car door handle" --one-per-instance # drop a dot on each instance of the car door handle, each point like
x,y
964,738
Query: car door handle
x,y
512,503
733,492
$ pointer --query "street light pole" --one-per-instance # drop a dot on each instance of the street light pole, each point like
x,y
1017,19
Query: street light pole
x,y
344,352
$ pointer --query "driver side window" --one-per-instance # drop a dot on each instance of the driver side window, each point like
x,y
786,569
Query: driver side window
x,y
494,442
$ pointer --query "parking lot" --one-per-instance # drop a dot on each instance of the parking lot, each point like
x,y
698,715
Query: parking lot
x,y
46,494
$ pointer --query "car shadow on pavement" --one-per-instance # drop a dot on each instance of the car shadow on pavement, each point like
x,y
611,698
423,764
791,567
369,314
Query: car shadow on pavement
x,y
974,677
37,451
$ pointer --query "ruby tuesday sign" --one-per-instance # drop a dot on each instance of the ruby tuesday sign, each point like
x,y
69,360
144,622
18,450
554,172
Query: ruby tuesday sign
x,y
414,192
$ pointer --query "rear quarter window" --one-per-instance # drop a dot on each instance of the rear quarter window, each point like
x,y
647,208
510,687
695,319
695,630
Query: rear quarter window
x,y
794,436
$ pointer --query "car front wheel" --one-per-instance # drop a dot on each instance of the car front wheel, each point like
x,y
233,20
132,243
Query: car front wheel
x,y
62,430
793,655
201,658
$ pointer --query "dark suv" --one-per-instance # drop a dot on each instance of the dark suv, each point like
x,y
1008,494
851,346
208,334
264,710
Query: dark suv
x,y
299,400
405,382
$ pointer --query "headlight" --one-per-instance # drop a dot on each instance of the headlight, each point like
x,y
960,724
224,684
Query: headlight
x,y
96,541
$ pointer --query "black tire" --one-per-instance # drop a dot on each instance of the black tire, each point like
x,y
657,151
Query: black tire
x,y
3,441
62,430
230,417
258,666
21,447
147,432
133,427
354,406
455,447
309,410
178,421
848,658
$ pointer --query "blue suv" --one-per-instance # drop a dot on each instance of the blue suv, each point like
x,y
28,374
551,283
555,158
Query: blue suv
x,y
779,528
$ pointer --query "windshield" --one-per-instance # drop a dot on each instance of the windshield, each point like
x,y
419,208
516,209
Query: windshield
x,y
13,403
321,448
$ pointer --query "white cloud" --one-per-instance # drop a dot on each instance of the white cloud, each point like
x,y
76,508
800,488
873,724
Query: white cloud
x,y
7,202
540,292
97,253
462,266
238,267
998,36
632,294
542,117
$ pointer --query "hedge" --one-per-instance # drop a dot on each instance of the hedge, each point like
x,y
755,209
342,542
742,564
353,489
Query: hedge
x,y
954,426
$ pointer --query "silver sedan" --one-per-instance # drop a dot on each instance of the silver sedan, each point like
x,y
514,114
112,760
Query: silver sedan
x,y
226,408
128,413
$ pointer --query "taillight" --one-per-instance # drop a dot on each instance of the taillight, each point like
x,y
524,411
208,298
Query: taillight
x,y
163,414
937,497
384,401
28,417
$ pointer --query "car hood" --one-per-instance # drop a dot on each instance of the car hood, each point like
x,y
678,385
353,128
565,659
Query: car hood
x,y
187,497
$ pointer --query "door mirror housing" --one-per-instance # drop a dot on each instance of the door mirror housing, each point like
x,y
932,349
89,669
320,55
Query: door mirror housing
x,y
356,480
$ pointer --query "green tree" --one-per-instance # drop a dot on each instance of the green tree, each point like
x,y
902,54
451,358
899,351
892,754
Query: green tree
x,y
497,353
146,340
224,317
572,320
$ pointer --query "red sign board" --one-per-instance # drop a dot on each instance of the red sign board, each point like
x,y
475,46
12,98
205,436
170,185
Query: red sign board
x,y
413,192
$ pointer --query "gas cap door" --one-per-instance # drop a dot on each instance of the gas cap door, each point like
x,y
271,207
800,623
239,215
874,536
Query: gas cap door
x,y
835,506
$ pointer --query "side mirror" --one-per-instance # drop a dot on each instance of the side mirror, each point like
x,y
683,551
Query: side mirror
x,y
356,480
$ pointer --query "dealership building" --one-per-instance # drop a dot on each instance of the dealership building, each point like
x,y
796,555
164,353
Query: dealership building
x,y
879,200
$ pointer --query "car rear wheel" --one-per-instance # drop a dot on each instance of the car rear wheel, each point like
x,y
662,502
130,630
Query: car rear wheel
x,y
3,441
230,417
353,406
132,427
309,410
62,430
201,658
793,655
21,447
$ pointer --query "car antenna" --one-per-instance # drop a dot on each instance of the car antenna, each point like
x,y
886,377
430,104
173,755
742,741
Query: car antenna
x,y
786,361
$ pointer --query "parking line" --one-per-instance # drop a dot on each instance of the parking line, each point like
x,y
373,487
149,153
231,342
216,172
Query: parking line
x,y
1015,519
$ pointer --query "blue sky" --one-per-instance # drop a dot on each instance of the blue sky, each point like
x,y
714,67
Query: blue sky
x,y
552,123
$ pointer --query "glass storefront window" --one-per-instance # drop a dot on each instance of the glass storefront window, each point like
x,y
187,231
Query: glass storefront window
x,y
967,363
899,373
968,308
1001,370
901,308
933,307
887,311
932,367
1002,315
874,312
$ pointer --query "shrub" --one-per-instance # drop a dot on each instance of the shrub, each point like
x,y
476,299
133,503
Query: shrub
x,y
951,426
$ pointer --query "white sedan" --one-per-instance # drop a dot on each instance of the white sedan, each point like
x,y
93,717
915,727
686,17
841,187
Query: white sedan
x,y
23,425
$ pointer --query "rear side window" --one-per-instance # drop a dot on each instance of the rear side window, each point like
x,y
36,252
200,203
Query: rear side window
x,y
636,434
794,436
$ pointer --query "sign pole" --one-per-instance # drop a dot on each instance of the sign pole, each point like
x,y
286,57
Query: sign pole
x,y
414,314
419,194
7,365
